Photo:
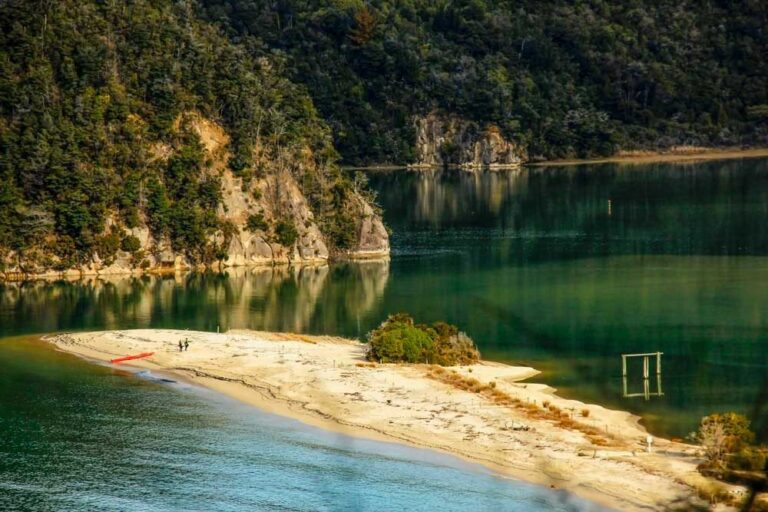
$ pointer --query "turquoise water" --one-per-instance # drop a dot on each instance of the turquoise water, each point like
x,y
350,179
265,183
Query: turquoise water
x,y
80,437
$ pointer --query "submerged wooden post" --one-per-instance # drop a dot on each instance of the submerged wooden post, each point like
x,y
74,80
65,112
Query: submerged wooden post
x,y
645,367
658,363
623,365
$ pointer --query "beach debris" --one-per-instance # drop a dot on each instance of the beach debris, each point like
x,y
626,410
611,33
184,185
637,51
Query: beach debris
x,y
517,426
130,357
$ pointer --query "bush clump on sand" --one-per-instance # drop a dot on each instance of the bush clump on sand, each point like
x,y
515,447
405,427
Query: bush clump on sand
x,y
726,439
400,339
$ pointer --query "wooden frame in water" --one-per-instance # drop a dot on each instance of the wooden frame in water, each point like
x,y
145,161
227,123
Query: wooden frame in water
x,y
647,394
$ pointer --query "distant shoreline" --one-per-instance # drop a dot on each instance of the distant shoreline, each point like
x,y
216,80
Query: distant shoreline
x,y
325,381
629,158
660,157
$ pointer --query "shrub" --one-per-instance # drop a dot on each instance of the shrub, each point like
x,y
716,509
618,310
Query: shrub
x,y
341,228
107,245
399,339
722,435
750,459
453,347
256,222
286,233
130,244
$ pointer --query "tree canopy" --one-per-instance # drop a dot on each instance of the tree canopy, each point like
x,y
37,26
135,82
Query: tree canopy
x,y
565,78
90,93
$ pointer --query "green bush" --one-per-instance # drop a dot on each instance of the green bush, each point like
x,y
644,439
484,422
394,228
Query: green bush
x,y
130,244
107,245
286,233
402,343
256,222
749,459
723,435
399,339
341,228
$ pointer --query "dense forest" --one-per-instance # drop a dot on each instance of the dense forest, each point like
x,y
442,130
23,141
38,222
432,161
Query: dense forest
x,y
91,92
565,78
94,98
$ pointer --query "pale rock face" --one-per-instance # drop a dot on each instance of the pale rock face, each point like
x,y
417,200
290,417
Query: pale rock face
x,y
444,140
143,234
373,239
276,197
245,249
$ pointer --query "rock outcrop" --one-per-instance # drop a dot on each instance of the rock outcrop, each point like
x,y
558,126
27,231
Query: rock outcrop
x,y
372,236
274,198
450,141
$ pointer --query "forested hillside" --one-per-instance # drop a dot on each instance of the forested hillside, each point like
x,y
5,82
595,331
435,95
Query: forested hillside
x,y
563,78
104,108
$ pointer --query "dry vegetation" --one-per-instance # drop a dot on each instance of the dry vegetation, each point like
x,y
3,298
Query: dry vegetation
x,y
547,411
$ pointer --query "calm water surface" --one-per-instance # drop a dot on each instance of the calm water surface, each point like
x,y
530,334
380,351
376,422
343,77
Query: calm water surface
x,y
561,268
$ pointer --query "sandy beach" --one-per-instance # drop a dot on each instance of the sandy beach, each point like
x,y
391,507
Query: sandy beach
x,y
650,157
485,413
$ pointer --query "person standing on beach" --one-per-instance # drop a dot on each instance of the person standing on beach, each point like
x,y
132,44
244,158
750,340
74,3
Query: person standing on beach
x,y
181,347
186,344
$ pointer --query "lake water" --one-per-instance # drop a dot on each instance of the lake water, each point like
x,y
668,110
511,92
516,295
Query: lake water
x,y
561,268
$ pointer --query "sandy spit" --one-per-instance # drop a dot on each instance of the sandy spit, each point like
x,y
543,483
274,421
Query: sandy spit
x,y
658,157
325,381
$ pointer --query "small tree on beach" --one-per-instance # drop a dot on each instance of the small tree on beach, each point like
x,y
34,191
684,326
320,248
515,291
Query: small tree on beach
x,y
722,435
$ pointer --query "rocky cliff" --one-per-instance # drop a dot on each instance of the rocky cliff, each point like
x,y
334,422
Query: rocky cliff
x,y
137,137
450,141
254,214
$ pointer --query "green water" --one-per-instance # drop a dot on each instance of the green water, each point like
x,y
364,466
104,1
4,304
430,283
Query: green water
x,y
560,268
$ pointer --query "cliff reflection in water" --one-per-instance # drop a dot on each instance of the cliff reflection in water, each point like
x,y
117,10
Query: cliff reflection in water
x,y
309,299
551,213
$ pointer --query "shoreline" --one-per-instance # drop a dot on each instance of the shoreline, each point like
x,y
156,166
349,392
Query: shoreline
x,y
662,157
80,275
642,157
325,382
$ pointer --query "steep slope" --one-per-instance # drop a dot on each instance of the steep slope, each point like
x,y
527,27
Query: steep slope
x,y
134,136
560,78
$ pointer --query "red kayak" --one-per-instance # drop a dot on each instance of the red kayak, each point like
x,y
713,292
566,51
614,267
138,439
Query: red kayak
x,y
128,358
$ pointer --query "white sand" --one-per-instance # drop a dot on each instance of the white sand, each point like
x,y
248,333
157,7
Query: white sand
x,y
650,157
325,381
